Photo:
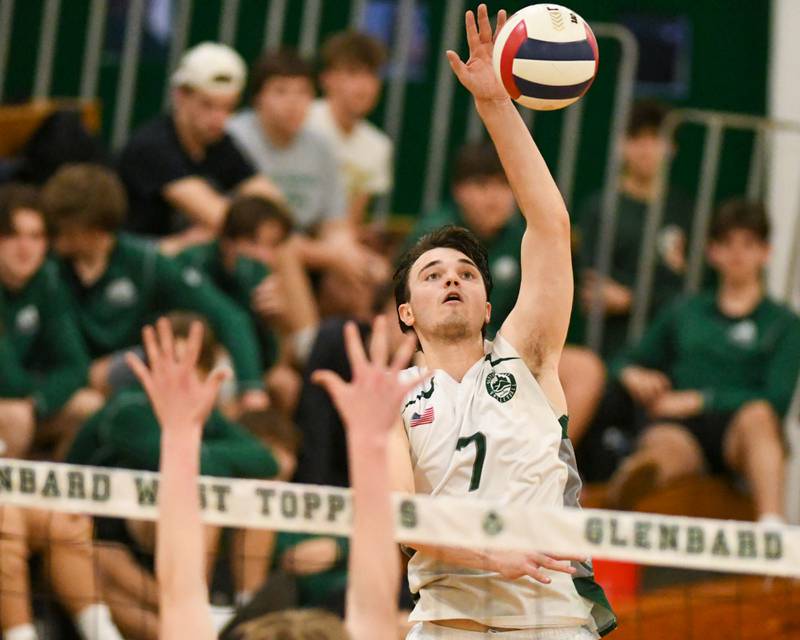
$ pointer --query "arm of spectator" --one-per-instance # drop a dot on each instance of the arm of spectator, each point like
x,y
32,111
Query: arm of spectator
x,y
66,349
358,207
260,185
198,200
287,297
369,406
615,299
182,403
655,350
179,289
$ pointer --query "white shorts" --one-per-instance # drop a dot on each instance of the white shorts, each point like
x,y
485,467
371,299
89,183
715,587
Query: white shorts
x,y
431,631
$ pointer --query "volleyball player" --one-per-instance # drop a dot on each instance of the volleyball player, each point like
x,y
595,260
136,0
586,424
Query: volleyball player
x,y
368,406
491,422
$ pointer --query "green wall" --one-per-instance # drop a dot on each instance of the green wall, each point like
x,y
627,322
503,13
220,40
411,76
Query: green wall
x,y
728,72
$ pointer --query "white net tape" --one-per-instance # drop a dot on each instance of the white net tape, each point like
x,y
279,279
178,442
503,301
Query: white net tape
x,y
692,543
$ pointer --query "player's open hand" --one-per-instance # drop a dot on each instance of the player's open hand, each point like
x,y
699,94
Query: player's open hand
x,y
477,74
180,397
515,564
371,402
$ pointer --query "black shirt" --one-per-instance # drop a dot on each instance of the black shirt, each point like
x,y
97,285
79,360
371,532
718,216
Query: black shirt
x,y
154,158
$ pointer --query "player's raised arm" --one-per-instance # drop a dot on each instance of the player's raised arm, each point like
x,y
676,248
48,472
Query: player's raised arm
x,y
369,406
537,325
181,402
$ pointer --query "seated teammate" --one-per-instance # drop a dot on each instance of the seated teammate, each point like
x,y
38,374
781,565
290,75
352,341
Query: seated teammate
x,y
115,282
182,401
492,421
45,366
715,373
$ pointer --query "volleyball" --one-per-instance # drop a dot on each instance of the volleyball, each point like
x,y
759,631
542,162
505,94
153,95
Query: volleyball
x,y
545,56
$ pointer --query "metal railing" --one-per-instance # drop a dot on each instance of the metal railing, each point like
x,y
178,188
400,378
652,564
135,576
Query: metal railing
x,y
716,123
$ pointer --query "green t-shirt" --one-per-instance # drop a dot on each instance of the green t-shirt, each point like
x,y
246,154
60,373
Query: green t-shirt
x,y
731,360
125,434
238,285
630,228
504,257
45,342
140,284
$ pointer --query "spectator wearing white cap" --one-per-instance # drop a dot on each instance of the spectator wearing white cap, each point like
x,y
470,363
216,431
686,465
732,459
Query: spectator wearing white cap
x,y
180,168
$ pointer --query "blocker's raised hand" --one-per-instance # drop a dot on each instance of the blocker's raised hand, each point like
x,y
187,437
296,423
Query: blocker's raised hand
x,y
477,74
177,392
371,401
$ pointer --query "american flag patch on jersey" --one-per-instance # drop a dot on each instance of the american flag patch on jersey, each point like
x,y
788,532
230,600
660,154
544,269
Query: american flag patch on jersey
x,y
417,419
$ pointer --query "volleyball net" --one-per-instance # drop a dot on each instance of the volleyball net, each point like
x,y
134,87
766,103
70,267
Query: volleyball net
x,y
666,576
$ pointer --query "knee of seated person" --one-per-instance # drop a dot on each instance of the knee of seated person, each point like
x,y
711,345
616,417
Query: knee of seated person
x,y
85,403
17,427
758,415
69,528
582,363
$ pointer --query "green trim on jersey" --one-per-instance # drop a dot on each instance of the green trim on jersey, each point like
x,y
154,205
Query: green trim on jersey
x,y
564,422
604,616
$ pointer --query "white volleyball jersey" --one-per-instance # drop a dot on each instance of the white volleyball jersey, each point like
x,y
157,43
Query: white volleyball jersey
x,y
494,436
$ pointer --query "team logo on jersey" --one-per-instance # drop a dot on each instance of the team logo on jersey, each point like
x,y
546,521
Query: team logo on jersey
x,y
121,292
501,385
192,277
27,320
492,523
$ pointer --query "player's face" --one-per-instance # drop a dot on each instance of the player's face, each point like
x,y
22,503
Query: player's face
x,y
356,89
486,203
644,153
447,296
739,256
22,252
205,114
283,102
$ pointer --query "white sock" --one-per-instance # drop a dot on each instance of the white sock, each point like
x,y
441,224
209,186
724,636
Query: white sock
x,y
771,518
21,632
243,598
94,623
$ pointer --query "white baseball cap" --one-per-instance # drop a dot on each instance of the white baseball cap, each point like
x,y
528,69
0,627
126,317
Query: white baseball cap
x,y
211,67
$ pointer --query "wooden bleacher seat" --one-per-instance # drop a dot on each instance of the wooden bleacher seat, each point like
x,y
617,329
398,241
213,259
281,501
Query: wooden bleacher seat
x,y
698,496
20,121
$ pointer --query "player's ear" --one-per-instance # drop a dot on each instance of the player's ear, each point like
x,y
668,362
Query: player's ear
x,y
488,312
406,314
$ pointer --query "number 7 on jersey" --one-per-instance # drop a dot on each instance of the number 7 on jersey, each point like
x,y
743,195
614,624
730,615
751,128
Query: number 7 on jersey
x,y
480,455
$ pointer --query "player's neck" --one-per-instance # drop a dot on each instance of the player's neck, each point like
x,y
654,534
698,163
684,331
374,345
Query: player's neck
x,y
454,357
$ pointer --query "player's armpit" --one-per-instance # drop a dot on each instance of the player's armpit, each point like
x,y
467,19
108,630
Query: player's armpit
x,y
537,325
401,473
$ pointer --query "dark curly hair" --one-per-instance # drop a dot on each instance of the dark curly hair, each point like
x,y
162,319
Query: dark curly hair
x,y
449,237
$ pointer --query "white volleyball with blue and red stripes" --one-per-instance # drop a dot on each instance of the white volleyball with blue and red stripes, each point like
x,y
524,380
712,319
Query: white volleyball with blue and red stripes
x,y
545,56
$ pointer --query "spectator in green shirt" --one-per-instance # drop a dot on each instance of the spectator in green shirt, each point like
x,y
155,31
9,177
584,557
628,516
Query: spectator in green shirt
x,y
716,373
126,434
250,265
644,150
117,283
44,361
484,203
